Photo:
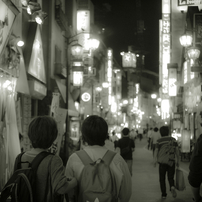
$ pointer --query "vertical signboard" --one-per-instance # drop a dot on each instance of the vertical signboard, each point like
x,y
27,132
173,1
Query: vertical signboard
x,y
165,44
109,73
172,81
198,28
83,27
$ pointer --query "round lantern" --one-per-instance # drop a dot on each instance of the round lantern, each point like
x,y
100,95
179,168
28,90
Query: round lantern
x,y
186,40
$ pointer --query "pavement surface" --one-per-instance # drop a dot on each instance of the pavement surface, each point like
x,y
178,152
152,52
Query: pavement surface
x,y
145,179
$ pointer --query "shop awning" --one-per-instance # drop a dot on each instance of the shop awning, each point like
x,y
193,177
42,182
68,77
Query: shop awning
x,y
71,107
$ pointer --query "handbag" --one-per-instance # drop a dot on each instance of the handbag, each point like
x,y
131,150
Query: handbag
x,y
179,180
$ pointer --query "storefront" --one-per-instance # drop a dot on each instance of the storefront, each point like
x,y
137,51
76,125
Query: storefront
x,y
9,74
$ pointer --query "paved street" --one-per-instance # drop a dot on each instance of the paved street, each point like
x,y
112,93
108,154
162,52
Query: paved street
x,y
145,178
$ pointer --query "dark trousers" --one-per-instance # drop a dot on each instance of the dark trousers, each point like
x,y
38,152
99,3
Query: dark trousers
x,y
163,168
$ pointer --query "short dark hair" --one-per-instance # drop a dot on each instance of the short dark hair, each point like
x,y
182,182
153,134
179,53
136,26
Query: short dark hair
x,y
94,130
125,131
42,131
164,130
156,129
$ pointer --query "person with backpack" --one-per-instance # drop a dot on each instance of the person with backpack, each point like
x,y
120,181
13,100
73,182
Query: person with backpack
x,y
102,174
165,152
195,166
39,176
127,147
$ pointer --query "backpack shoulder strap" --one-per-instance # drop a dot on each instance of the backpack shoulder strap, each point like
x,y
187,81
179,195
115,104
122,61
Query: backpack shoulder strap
x,y
109,155
85,158
17,161
37,160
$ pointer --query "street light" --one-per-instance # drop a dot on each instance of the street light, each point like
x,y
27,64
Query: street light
x,y
186,40
153,96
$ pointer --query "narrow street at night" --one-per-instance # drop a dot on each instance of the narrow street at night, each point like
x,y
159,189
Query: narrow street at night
x,y
145,179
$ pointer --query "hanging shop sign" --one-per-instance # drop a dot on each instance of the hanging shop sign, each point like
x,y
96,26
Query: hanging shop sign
x,y
172,74
83,27
189,2
197,26
85,97
128,60
165,50
37,89
36,65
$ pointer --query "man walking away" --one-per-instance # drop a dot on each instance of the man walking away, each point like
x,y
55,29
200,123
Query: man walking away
x,y
149,138
155,135
127,147
165,152
195,167
94,132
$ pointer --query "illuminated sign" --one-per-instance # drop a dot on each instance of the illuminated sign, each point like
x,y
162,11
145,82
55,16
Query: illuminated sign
x,y
189,2
85,97
185,72
165,44
165,107
77,78
109,74
128,59
83,21
172,81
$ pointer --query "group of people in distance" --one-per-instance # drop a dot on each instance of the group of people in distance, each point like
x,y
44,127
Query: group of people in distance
x,y
43,132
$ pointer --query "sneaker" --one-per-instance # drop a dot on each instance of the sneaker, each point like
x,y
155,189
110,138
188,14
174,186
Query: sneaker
x,y
173,191
164,196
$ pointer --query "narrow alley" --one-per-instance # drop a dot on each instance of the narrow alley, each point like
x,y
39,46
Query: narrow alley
x,y
145,179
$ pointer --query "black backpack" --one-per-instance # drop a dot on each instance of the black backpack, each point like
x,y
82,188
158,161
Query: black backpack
x,y
21,187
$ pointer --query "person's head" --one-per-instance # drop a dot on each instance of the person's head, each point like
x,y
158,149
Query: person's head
x,y
151,128
42,132
156,129
94,130
125,131
164,130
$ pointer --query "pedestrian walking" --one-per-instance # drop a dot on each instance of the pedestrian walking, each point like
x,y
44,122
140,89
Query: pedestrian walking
x,y
49,173
127,147
195,169
94,132
165,152
149,146
155,135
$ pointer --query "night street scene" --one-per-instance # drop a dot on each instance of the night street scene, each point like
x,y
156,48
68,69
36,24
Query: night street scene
x,y
100,100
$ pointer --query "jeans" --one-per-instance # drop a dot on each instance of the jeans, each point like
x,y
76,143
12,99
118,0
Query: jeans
x,y
129,163
163,168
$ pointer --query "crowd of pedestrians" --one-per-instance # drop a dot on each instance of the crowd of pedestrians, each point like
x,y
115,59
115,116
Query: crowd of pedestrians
x,y
102,155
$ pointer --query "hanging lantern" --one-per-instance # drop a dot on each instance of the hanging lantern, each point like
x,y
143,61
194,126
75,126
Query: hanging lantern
x,y
93,43
77,51
186,40
193,53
